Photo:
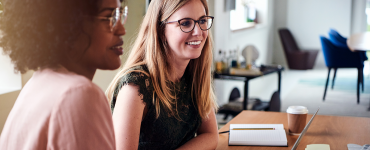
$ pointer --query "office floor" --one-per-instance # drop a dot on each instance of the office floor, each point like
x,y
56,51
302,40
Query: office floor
x,y
307,87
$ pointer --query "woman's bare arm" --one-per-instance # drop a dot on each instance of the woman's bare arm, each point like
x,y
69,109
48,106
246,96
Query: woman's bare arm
x,y
127,117
207,135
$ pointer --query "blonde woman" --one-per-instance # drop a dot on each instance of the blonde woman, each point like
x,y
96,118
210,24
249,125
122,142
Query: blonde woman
x,y
163,98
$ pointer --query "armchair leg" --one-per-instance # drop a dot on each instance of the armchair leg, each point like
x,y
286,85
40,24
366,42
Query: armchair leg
x,y
362,80
335,73
326,85
359,70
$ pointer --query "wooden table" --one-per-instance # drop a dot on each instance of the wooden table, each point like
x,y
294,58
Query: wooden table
x,y
333,130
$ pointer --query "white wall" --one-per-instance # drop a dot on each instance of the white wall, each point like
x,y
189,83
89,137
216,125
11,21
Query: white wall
x,y
359,18
308,19
225,39
9,81
280,21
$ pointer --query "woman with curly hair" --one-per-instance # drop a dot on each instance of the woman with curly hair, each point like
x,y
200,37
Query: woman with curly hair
x,y
163,97
64,42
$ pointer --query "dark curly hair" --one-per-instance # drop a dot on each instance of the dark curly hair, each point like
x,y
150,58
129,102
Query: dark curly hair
x,y
38,33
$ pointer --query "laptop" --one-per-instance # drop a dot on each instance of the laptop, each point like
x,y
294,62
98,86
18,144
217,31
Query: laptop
x,y
304,131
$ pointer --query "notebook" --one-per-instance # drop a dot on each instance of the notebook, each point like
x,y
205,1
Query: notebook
x,y
270,135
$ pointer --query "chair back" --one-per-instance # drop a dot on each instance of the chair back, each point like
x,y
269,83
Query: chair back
x,y
340,41
337,39
288,41
339,57
274,104
234,95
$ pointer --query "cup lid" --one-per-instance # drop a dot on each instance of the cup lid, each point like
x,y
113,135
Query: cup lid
x,y
297,110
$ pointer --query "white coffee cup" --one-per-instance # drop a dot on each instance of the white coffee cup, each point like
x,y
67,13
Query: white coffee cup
x,y
297,116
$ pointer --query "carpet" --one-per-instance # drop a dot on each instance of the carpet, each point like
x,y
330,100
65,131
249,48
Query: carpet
x,y
340,101
344,84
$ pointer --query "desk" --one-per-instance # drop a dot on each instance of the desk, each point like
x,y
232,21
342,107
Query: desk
x,y
265,71
333,130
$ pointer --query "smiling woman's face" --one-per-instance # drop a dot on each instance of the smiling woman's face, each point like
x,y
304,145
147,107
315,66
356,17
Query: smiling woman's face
x,y
104,46
186,46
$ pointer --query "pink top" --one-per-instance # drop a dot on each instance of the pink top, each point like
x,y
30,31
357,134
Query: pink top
x,y
58,109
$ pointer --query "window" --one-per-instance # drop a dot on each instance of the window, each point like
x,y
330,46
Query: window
x,y
243,16
247,13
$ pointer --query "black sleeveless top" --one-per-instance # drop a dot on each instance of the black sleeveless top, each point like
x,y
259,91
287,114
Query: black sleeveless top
x,y
167,131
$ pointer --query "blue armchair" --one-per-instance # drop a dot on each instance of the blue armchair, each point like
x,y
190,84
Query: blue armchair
x,y
341,57
340,41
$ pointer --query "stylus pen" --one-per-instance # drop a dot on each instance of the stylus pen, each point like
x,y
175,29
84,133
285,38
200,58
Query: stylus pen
x,y
253,129
304,131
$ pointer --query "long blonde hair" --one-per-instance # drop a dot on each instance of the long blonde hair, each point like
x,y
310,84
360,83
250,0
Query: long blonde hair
x,y
151,49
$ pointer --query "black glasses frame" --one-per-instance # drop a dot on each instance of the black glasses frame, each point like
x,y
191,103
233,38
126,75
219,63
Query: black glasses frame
x,y
195,22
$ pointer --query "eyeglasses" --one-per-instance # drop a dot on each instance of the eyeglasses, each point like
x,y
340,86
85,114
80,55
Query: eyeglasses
x,y
117,15
187,24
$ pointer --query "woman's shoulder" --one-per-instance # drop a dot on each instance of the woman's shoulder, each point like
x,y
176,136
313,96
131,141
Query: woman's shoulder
x,y
63,90
61,80
138,75
83,89
138,69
